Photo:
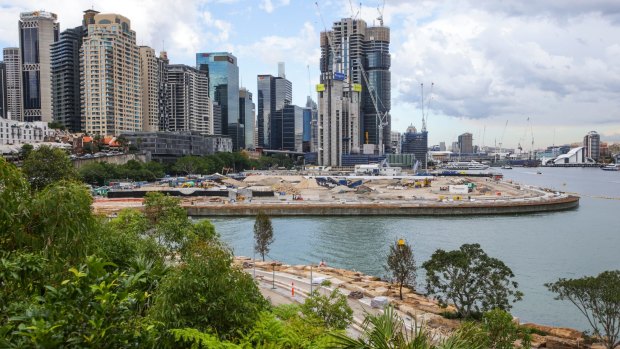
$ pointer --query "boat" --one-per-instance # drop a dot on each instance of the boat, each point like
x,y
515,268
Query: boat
x,y
611,167
538,172
465,165
506,167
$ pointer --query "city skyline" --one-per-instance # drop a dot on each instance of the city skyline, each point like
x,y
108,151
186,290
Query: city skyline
x,y
489,63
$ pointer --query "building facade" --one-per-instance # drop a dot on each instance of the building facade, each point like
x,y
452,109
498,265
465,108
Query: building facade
x,y
247,114
416,143
154,75
338,120
111,85
172,145
273,94
65,58
592,145
466,143
359,55
189,102
224,90
38,30
395,142
287,128
13,132
3,90
12,61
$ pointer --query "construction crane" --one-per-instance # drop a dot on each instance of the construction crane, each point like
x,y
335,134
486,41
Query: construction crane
x,y
501,140
428,105
380,10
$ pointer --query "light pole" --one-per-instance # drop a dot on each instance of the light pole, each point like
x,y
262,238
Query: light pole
x,y
273,277
310,278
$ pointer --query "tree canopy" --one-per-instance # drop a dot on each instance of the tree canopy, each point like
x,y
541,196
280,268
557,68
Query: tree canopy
x,y
46,165
401,265
263,234
470,280
598,299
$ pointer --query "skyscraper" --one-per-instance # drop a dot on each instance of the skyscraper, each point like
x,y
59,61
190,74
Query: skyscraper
x,y
12,61
65,56
247,111
2,90
153,75
273,94
359,56
38,30
466,143
416,143
312,107
111,92
190,105
592,143
224,90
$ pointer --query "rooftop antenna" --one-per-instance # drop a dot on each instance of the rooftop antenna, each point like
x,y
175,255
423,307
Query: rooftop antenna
x,y
163,45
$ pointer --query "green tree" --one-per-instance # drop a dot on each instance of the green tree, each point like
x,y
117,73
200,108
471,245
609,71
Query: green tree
x,y
94,307
598,299
333,309
205,291
388,330
189,165
15,198
26,149
502,331
471,280
263,234
47,165
401,264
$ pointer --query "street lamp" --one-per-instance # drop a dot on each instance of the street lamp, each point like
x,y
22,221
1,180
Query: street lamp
x,y
273,278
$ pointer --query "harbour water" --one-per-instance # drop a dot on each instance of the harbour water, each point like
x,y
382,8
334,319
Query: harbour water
x,y
538,247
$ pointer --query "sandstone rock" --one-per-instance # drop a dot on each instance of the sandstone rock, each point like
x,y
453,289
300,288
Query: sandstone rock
x,y
538,341
379,302
356,295
561,343
557,331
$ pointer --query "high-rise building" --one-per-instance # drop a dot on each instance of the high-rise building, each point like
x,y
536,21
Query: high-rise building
x,y
442,146
466,141
338,120
416,143
314,124
190,105
2,90
273,94
12,61
154,75
359,56
65,56
110,75
38,30
287,128
395,142
592,144
247,111
163,93
224,90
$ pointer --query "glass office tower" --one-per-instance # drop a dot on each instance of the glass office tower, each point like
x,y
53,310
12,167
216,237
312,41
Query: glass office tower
x,y
38,30
224,90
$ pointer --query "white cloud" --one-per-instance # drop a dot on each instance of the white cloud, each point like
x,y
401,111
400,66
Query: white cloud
x,y
269,6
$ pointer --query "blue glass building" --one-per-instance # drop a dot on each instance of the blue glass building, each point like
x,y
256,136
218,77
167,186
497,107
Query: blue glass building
x,y
224,90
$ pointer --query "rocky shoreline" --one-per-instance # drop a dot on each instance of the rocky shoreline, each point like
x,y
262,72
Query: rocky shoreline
x,y
413,304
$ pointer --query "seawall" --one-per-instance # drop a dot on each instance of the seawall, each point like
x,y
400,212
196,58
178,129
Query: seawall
x,y
386,209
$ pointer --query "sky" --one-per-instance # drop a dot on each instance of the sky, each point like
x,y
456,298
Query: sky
x,y
511,72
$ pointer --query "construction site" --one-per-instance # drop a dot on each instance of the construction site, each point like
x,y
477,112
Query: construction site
x,y
284,194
